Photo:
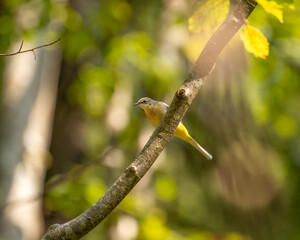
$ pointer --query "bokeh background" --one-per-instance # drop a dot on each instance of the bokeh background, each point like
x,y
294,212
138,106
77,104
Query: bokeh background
x,y
68,128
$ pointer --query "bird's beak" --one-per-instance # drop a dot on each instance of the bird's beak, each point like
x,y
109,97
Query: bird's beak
x,y
135,104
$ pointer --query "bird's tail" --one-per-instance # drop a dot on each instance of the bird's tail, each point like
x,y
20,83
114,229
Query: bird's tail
x,y
200,149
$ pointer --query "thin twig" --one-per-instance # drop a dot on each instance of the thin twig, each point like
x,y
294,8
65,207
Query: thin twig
x,y
21,46
77,172
65,177
20,202
28,50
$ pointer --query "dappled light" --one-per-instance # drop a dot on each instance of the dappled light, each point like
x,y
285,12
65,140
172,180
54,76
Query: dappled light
x,y
69,128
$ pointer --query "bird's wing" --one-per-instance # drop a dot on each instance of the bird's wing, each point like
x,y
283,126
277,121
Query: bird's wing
x,y
165,106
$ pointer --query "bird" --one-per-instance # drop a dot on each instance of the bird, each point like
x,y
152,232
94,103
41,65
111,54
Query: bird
x,y
155,111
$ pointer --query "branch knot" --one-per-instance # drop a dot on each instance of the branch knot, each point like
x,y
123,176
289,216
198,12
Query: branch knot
x,y
134,170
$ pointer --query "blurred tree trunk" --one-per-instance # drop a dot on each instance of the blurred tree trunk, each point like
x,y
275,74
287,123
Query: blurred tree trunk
x,y
66,143
65,146
26,123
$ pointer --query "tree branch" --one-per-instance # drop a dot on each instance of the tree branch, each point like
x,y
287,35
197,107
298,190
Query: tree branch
x,y
79,226
28,50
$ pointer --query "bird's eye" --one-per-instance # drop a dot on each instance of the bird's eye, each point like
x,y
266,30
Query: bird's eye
x,y
144,101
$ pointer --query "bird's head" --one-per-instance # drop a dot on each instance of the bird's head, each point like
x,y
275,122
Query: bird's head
x,y
145,102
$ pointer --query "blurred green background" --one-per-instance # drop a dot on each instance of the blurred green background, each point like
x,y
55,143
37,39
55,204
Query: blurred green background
x,y
68,128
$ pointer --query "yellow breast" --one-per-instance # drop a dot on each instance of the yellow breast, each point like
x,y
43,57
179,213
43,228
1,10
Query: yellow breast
x,y
154,115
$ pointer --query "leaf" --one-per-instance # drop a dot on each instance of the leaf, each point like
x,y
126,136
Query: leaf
x,y
273,8
208,14
285,1
255,42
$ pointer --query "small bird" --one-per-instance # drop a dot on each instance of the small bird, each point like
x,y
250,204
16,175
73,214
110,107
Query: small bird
x,y
155,111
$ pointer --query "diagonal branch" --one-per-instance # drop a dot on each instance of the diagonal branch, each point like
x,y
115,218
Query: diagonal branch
x,y
81,225
28,50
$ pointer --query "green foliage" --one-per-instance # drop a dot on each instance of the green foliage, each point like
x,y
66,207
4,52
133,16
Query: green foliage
x,y
208,14
247,115
93,88
165,189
